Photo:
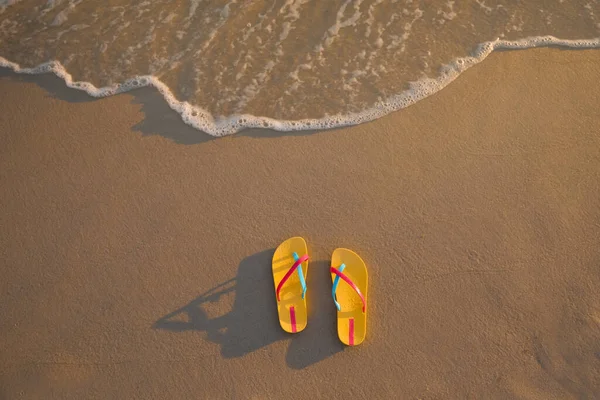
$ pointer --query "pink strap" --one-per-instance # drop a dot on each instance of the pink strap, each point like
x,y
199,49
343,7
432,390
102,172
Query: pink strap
x,y
293,319
352,285
290,272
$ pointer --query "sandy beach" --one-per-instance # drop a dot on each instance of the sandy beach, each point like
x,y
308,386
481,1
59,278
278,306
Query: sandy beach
x,y
136,251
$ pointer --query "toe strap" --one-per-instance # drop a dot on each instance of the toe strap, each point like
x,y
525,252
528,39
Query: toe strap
x,y
339,274
296,264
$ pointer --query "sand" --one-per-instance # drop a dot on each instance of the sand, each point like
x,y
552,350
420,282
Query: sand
x,y
136,251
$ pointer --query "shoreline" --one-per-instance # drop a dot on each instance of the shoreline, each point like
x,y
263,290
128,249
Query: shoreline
x,y
203,121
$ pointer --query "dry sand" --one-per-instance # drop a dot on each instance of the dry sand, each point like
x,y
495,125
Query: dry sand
x,y
136,252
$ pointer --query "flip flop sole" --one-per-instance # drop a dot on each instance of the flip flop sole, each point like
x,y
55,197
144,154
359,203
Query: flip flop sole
x,y
351,320
291,307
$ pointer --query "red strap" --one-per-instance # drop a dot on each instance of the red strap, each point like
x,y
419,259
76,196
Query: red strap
x,y
293,319
290,272
352,285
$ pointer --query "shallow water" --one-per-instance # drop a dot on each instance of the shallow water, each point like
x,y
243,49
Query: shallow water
x,y
318,63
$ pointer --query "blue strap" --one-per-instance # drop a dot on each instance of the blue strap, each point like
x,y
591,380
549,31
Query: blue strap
x,y
335,285
300,274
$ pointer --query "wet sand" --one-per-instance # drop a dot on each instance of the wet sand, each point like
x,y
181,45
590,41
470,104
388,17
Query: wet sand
x,y
136,251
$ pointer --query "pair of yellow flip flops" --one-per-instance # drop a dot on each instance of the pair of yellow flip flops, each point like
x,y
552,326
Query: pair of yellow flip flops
x,y
290,268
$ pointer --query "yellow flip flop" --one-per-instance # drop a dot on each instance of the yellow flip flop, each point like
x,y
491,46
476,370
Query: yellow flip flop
x,y
290,288
351,297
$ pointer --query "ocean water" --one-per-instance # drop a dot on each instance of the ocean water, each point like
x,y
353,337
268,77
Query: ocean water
x,y
225,65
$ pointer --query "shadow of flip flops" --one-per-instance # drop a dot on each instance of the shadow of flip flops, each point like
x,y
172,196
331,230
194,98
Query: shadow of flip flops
x,y
252,322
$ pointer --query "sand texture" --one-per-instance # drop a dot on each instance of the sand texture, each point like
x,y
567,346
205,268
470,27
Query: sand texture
x,y
136,251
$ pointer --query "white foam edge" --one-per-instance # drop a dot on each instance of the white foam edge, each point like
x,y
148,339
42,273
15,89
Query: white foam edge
x,y
217,127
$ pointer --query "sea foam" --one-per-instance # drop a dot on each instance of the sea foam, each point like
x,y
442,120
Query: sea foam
x,y
204,121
